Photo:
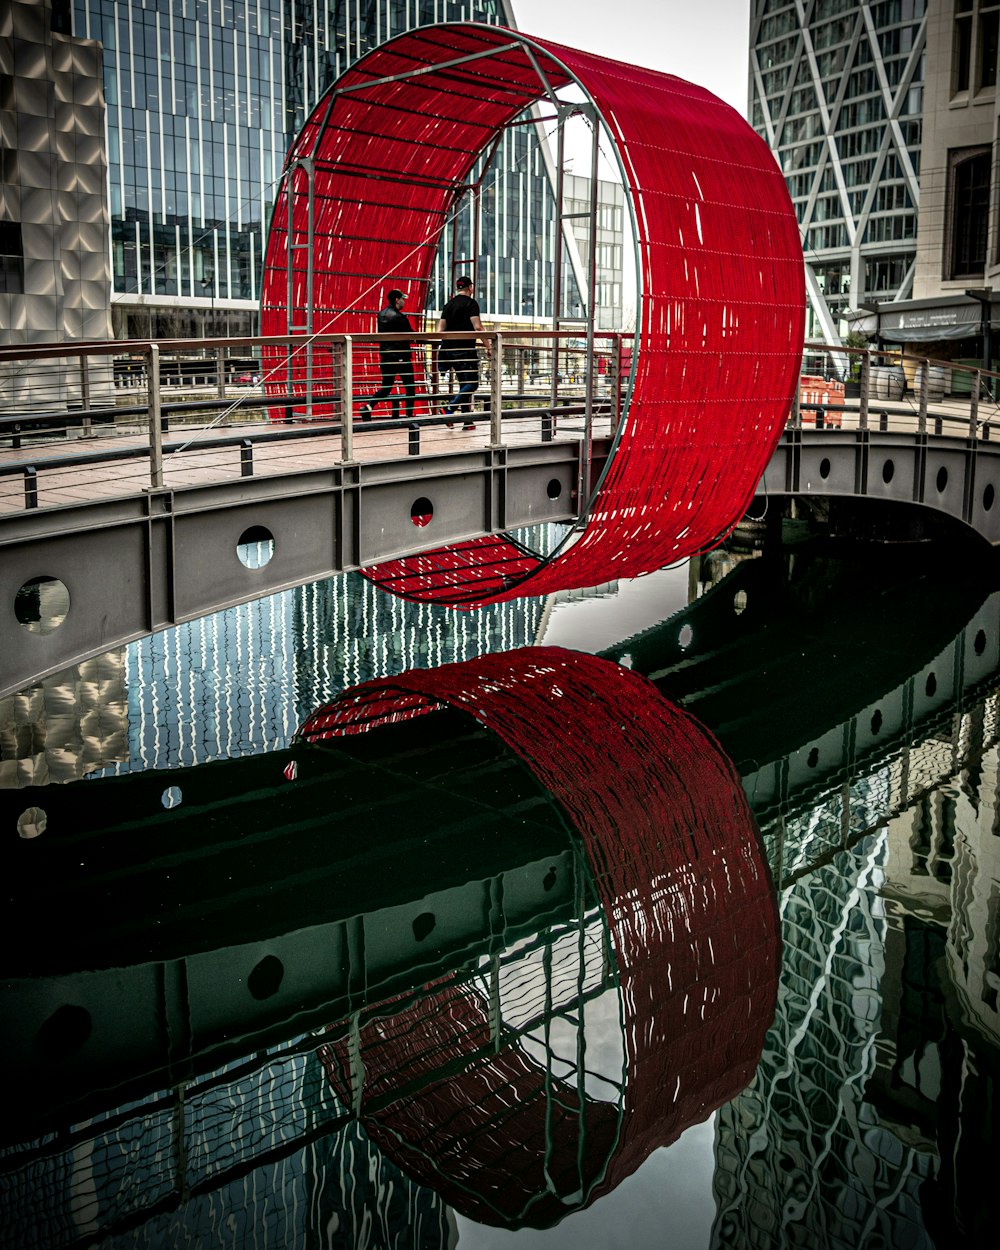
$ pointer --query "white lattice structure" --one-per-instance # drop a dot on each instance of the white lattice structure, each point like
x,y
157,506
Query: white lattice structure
x,y
836,89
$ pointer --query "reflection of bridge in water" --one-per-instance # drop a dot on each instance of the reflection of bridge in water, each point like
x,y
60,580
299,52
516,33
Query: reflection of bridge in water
x,y
307,939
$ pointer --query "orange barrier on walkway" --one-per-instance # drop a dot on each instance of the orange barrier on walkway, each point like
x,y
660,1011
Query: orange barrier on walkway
x,y
817,390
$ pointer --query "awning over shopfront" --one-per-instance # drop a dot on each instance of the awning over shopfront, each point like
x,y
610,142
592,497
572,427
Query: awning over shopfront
x,y
944,317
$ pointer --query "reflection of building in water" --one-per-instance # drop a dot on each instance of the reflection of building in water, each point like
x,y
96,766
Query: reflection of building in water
x,y
801,1144
241,681
65,726
347,632
879,1092
335,1189
938,1053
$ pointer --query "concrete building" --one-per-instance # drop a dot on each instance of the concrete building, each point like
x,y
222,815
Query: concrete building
x,y
836,89
610,244
953,313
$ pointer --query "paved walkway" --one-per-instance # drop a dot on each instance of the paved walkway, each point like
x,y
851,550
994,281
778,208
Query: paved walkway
x,y
188,461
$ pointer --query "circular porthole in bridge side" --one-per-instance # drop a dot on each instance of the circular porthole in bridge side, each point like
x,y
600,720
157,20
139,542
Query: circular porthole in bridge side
x,y
42,605
876,721
265,979
930,685
740,602
32,823
979,642
65,1032
554,488
171,797
989,497
812,759
824,468
941,481
421,511
423,925
888,469
685,637
255,548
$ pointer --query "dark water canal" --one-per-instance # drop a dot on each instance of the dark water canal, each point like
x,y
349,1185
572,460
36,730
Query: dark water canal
x,y
665,915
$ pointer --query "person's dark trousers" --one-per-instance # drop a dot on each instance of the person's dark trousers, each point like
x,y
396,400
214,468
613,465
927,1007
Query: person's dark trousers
x,y
467,374
391,369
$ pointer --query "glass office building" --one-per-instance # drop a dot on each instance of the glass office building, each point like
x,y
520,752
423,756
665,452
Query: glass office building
x,y
203,100
836,89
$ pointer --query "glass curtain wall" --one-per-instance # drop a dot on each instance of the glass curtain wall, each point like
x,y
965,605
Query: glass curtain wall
x,y
836,89
203,100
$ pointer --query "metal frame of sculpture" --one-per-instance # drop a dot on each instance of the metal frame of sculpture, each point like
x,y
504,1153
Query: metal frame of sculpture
x,y
367,191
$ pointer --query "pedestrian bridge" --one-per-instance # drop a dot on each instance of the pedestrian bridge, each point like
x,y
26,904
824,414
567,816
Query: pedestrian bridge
x,y
134,499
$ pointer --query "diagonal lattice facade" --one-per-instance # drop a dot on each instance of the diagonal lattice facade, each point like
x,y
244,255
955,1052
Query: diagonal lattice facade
x,y
836,89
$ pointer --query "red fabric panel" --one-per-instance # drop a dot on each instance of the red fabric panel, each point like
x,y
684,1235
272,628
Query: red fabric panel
x,y
721,317
686,894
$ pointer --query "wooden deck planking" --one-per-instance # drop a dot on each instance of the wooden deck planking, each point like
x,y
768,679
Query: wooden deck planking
x,y
192,464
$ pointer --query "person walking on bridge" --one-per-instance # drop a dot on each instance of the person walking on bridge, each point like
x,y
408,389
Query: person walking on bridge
x,y
395,359
461,313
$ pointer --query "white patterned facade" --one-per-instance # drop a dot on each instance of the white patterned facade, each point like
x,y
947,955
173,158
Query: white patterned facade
x,y
836,90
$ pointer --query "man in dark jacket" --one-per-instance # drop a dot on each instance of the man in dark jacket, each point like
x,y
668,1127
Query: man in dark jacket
x,y
461,313
395,360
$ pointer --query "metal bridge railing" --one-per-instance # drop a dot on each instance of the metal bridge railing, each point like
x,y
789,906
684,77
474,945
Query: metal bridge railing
x,y
109,419
859,388
139,416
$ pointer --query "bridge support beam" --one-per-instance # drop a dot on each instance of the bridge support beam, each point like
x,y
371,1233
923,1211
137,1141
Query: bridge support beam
x,y
137,565
958,477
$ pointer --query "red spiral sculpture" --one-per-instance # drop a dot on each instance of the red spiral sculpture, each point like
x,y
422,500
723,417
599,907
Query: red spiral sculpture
x,y
721,284
674,852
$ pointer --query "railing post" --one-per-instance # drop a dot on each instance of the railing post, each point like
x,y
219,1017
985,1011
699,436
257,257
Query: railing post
x,y
220,371
974,404
155,430
30,486
925,377
413,439
246,458
615,381
87,427
866,373
496,391
347,399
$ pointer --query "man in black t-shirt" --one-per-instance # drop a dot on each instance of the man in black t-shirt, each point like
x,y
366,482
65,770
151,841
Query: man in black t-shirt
x,y
461,313
395,360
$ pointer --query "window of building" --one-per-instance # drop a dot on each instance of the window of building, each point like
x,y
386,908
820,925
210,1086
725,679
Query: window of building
x,y
11,258
62,17
884,274
968,211
962,47
989,30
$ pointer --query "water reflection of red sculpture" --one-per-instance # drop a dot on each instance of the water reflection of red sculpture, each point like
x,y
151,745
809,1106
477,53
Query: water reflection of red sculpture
x,y
686,896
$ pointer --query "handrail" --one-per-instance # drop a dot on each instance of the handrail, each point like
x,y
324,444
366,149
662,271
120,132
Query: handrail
x,y
189,388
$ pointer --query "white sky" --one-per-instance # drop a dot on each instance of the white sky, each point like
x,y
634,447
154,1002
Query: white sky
x,y
703,41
